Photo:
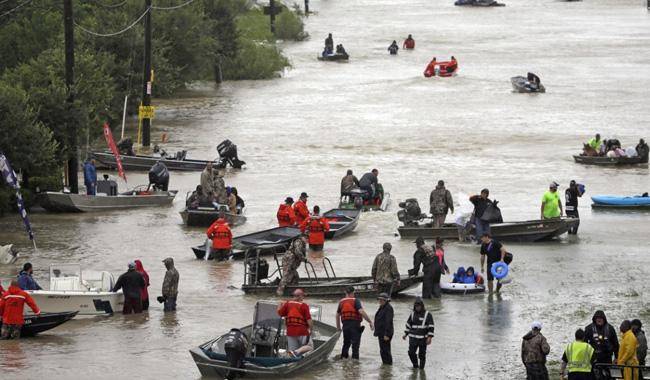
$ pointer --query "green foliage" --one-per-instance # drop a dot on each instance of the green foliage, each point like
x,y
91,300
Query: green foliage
x,y
289,26
256,60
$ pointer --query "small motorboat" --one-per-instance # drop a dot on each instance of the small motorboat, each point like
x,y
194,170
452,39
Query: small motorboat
x,y
610,161
522,84
86,293
459,288
478,3
337,57
357,199
267,354
36,324
205,216
137,198
257,280
7,254
441,69
274,240
341,221
130,161
619,202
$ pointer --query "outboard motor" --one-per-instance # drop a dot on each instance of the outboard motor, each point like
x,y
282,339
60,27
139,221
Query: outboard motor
x,y
410,212
159,176
261,268
125,146
228,155
107,186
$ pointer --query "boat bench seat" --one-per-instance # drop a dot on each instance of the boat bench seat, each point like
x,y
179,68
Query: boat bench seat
x,y
259,361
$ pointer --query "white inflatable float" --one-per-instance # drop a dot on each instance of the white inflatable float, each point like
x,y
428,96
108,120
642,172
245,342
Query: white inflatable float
x,y
459,288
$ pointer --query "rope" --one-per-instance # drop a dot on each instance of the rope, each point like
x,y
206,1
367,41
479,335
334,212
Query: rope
x,y
174,7
116,33
16,8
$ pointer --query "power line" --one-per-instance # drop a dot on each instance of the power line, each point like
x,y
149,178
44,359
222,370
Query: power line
x,y
115,33
16,8
174,7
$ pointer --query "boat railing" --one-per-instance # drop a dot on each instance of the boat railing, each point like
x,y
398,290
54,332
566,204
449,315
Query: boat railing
x,y
616,371
310,277
326,263
253,254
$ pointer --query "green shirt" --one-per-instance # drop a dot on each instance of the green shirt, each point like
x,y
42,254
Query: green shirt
x,y
551,203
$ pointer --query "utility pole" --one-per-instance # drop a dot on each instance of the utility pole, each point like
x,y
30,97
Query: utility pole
x,y
146,88
271,11
307,7
73,160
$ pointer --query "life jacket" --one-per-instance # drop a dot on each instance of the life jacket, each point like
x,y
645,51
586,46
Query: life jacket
x,y
12,304
220,234
578,355
301,211
409,44
286,216
294,316
348,311
316,226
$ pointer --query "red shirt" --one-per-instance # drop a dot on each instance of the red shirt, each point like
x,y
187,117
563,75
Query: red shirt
x,y
296,315
12,304
301,211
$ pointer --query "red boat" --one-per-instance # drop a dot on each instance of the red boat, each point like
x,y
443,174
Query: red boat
x,y
442,69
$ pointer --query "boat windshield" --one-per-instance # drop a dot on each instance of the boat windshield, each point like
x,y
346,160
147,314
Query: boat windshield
x,y
65,270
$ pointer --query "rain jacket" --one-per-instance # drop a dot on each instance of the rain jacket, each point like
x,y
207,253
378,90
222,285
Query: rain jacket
x,y
419,325
384,268
603,339
459,276
642,350
90,173
301,211
627,355
220,234
316,226
140,269
131,283
170,283
384,321
534,348
441,201
27,282
286,216
12,304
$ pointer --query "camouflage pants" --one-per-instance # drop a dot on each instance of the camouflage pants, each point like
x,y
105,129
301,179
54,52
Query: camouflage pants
x,y
10,331
289,278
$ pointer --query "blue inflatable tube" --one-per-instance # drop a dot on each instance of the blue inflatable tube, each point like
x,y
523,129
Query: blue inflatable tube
x,y
499,270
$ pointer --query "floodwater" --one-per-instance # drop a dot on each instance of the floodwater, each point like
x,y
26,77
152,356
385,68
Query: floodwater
x,y
301,132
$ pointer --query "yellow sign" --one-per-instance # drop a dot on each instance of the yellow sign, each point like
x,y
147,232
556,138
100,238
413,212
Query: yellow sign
x,y
146,112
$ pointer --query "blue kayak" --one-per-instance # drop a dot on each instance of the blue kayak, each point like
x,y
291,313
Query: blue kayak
x,y
621,202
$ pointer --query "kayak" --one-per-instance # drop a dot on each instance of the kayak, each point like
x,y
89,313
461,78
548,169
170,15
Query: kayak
x,y
620,202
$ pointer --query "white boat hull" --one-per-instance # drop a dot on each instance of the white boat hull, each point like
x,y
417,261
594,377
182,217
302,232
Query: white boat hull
x,y
86,303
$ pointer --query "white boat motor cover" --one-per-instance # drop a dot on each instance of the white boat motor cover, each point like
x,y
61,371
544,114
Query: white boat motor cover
x,y
7,254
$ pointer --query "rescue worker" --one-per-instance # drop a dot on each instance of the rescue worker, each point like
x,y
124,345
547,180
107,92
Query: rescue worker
x,y
300,208
642,350
213,185
627,351
441,203
577,359
419,330
291,261
348,183
350,313
571,196
393,48
144,292
481,203
642,149
384,328
25,279
494,252
423,256
236,346
368,183
534,349
170,285
438,267
409,43
329,44
285,214
453,65
90,177
430,70
131,282
12,306
221,236
602,337
551,205
298,320
384,270
595,142
315,226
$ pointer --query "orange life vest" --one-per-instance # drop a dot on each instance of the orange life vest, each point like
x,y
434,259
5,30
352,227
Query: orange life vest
x,y
220,234
316,226
286,216
348,311
294,317
301,211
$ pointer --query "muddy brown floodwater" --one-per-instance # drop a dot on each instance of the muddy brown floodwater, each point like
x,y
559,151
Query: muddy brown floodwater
x,y
301,132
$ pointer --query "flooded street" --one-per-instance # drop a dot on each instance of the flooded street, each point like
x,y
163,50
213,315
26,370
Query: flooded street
x,y
301,133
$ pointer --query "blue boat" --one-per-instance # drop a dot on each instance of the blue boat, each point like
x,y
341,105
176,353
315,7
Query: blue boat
x,y
611,201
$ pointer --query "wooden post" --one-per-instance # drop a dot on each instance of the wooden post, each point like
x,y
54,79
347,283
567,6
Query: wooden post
x,y
73,159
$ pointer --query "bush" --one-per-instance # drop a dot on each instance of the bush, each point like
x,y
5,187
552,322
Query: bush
x,y
289,26
255,60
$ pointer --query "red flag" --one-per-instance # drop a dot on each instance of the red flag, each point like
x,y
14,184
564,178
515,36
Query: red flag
x,y
111,144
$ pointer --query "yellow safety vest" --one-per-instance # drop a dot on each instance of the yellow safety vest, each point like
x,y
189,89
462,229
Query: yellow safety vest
x,y
578,355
